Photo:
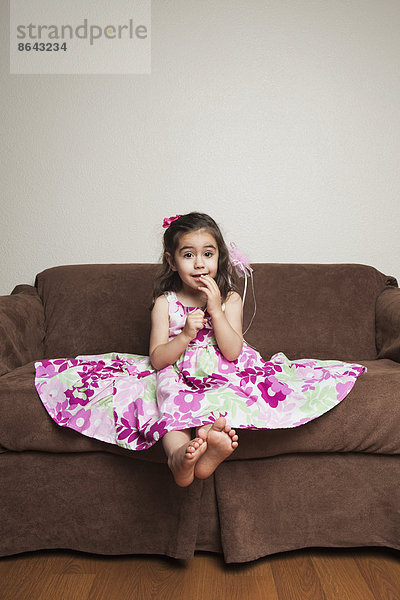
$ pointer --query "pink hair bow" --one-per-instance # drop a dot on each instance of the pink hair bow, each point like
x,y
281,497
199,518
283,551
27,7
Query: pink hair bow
x,y
168,220
242,268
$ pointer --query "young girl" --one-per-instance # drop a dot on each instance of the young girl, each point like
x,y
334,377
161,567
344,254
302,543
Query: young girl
x,y
200,374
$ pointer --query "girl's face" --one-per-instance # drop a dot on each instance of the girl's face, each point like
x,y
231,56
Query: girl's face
x,y
197,254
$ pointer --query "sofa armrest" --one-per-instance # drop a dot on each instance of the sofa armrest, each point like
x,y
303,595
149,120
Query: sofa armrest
x,y
387,324
21,328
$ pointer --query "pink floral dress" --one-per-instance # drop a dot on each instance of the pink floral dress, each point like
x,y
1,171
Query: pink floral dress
x,y
121,399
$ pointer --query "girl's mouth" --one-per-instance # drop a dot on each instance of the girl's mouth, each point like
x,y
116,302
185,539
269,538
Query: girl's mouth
x,y
198,276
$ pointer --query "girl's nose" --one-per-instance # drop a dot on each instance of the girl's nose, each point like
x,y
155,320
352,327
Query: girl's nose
x,y
199,262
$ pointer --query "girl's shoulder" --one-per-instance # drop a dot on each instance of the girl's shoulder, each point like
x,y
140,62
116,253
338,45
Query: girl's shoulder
x,y
233,298
160,313
160,304
163,301
233,304
165,297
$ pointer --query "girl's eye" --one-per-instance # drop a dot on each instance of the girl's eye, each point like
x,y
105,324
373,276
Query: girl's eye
x,y
209,254
187,255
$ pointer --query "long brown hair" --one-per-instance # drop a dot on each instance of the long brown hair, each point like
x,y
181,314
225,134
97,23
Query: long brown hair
x,y
169,280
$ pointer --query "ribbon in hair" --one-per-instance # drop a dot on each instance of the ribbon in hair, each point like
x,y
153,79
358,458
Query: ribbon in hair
x,y
168,220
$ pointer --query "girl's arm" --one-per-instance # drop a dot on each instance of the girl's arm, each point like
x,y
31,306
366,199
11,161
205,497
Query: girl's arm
x,y
162,352
227,325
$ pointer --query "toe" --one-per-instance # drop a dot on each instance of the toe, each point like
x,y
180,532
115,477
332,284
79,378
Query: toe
x,y
194,444
203,448
202,432
219,424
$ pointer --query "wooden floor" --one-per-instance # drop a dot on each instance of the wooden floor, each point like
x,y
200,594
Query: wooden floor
x,y
316,573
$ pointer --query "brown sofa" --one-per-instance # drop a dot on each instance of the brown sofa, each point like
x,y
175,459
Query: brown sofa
x,y
331,482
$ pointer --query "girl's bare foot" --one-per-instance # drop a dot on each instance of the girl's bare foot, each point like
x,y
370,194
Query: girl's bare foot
x,y
182,462
221,442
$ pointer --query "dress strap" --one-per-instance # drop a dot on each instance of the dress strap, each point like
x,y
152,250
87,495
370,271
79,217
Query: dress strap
x,y
170,296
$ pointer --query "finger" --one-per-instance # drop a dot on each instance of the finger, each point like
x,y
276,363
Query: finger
x,y
196,319
215,287
206,280
205,284
210,283
205,290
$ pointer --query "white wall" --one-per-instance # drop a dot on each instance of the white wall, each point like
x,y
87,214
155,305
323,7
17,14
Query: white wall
x,y
280,118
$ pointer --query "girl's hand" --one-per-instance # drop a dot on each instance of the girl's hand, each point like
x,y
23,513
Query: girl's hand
x,y
194,322
211,290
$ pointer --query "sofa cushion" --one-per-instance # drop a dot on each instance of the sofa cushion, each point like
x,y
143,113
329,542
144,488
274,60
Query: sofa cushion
x,y
388,324
306,311
21,328
26,425
315,310
92,309
367,420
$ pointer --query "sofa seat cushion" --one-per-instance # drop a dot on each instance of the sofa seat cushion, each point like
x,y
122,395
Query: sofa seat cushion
x,y
26,425
367,420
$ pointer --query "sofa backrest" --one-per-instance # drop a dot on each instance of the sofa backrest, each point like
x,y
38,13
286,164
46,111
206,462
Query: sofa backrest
x,y
324,311
304,310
